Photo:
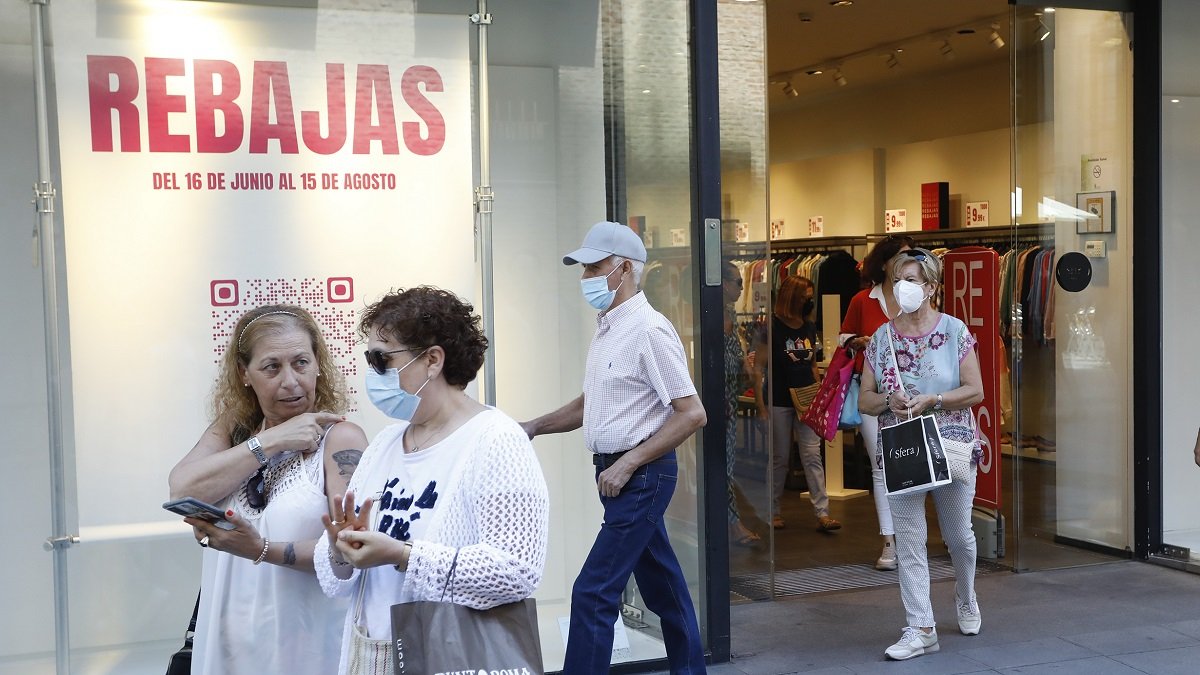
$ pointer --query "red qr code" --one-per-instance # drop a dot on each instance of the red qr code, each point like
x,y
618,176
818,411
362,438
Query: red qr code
x,y
326,299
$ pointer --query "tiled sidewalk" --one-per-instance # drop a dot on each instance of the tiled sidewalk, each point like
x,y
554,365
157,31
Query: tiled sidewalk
x,y
1121,617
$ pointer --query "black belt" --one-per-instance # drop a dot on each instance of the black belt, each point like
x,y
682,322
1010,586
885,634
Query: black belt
x,y
606,459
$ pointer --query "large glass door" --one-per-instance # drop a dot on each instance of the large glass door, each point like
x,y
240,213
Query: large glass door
x,y
590,120
1068,292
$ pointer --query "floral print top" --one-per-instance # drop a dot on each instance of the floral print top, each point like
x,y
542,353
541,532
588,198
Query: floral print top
x,y
928,364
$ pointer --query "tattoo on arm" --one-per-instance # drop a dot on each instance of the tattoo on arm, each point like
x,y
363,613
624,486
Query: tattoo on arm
x,y
289,554
347,461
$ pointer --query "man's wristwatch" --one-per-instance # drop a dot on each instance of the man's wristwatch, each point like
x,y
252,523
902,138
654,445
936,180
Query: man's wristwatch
x,y
256,448
938,405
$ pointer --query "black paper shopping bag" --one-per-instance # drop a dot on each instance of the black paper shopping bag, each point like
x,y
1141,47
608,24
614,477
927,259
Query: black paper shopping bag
x,y
913,458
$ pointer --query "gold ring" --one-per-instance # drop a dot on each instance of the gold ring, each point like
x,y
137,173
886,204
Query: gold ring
x,y
335,523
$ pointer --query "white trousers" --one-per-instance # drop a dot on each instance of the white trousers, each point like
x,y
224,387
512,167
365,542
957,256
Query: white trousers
x,y
953,504
870,433
783,422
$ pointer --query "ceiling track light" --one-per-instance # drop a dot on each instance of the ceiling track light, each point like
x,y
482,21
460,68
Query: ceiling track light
x,y
839,78
994,39
789,90
1042,32
891,60
946,50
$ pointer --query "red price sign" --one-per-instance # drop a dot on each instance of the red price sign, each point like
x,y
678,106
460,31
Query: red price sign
x,y
976,215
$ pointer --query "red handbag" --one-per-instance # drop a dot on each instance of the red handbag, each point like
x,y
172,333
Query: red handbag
x,y
825,411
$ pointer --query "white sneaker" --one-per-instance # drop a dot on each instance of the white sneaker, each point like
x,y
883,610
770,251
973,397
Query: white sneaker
x,y
913,642
969,617
887,559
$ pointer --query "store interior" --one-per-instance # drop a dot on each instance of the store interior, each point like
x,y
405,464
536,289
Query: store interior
x,y
865,103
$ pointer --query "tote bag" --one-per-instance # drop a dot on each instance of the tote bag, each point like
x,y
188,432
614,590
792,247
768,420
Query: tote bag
x,y
825,411
851,417
913,457
442,637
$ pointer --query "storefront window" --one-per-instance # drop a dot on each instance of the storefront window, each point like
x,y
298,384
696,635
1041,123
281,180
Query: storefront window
x,y
1071,348
219,156
1180,202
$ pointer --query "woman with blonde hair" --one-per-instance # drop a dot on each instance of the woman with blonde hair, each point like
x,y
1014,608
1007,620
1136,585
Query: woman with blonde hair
x,y
923,362
277,448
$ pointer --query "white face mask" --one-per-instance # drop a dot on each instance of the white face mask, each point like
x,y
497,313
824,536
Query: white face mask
x,y
909,295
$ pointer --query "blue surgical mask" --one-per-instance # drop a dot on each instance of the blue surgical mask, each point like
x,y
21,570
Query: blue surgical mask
x,y
387,394
596,291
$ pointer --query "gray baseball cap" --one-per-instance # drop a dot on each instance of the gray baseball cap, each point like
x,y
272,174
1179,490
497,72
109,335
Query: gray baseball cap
x,y
605,239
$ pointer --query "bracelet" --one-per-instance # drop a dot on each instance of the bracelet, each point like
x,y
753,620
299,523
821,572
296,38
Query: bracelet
x,y
407,557
887,402
263,556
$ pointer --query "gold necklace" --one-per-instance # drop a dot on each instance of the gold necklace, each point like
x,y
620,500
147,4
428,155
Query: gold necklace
x,y
417,447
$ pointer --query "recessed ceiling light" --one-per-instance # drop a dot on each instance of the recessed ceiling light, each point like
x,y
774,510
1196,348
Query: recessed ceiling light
x,y
1174,100
840,3
645,91
1049,10
965,31
804,18
815,71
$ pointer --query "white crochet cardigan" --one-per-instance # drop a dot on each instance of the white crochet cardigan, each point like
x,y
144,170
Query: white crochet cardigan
x,y
496,517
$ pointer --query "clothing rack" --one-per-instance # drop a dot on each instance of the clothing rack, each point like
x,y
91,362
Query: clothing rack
x,y
1022,233
815,244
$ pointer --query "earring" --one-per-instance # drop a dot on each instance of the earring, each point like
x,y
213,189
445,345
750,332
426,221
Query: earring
x,y
246,384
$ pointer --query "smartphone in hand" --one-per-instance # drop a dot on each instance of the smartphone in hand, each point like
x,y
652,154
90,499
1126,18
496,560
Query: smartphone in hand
x,y
195,508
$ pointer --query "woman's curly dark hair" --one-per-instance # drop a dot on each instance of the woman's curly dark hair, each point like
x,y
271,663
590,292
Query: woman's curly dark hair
x,y
425,316
874,266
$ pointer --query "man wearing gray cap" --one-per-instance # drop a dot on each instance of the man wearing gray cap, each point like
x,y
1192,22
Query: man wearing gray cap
x,y
638,404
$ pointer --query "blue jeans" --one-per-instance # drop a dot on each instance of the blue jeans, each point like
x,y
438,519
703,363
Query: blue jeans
x,y
633,540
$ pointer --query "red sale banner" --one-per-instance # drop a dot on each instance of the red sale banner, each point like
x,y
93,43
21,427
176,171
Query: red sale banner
x,y
972,280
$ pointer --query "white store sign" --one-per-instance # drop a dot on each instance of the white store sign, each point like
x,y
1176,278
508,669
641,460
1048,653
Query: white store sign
x,y
217,157
895,220
976,214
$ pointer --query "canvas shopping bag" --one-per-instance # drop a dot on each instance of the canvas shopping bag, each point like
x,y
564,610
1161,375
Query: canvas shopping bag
x,y
913,458
442,637
825,411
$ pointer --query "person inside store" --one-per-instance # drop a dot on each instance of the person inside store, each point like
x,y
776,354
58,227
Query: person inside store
x,y
869,309
638,404
735,383
785,383
277,447
453,484
924,362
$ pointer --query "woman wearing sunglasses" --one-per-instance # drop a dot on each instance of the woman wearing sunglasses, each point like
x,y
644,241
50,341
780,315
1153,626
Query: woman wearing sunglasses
x,y
277,448
924,362
453,484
